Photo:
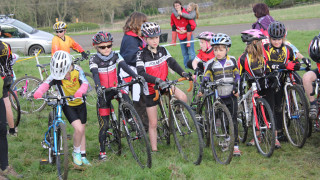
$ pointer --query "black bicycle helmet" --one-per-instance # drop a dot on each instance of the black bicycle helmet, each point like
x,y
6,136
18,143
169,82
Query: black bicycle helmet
x,y
277,30
150,29
314,50
102,37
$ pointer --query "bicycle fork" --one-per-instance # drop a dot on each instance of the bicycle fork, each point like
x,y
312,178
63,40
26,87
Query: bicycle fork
x,y
293,95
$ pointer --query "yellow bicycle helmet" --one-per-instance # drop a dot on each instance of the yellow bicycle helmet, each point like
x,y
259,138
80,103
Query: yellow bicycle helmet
x,y
60,25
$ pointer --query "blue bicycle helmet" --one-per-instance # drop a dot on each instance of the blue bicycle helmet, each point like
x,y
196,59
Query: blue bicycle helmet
x,y
221,39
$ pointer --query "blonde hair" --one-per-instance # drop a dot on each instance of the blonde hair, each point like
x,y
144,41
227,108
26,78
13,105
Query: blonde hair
x,y
255,50
195,7
134,22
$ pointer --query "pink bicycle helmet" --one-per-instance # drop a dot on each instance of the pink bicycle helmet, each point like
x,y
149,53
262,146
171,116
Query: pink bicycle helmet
x,y
206,35
252,34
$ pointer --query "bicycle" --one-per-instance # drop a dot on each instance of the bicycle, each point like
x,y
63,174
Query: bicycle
x,y
56,136
315,123
177,118
27,85
218,120
130,125
257,114
294,110
16,112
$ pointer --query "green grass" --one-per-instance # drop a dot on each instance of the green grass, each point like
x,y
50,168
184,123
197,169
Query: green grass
x,y
25,151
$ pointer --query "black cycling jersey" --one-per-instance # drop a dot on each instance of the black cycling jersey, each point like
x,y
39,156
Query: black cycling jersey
x,y
5,59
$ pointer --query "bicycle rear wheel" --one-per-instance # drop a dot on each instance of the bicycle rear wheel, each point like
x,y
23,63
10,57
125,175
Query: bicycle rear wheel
x,y
296,126
136,135
62,154
222,134
163,129
205,119
16,106
242,123
264,135
91,98
24,89
186,132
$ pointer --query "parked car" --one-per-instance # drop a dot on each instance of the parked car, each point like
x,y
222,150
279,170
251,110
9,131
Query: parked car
x,y
24,38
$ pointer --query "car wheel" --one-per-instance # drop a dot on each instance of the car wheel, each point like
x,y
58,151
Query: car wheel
x,y
35,49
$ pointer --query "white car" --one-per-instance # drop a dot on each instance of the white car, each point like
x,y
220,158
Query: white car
x,y
24,38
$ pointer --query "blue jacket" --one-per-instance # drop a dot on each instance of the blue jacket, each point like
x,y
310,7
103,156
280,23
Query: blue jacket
x,y
131,43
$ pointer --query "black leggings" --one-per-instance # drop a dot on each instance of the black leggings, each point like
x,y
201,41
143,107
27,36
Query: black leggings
x,y
232,104
3,137
174,28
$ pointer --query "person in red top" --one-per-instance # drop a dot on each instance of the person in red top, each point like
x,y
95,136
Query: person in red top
x,y
64,42
183,33
205,54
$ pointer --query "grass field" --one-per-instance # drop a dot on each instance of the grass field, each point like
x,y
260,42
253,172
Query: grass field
x,y
25,151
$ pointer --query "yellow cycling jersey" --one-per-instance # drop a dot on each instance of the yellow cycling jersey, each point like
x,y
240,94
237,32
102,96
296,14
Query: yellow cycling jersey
x,y
65,45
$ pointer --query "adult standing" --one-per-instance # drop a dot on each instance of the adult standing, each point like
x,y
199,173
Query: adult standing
x,y
181,24
131,43
5,83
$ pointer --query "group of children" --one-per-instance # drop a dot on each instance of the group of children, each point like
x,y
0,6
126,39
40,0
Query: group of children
x,y
152,66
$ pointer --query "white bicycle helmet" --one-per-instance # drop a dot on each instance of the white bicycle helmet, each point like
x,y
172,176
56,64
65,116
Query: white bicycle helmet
x,y
150,29
59,25
60,64
221,39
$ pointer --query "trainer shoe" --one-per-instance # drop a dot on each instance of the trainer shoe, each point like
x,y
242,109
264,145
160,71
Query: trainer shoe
x,y
85,161
102,156
9,171
77,158
278,145
313,112
236,151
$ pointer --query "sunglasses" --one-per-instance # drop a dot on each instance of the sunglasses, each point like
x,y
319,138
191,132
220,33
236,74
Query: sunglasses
x,y
103,47
61,31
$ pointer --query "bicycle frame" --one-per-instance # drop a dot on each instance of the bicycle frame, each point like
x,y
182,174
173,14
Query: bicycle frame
x,y
289,81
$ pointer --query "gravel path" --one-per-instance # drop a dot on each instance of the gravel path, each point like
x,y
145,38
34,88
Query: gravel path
x,y
234,29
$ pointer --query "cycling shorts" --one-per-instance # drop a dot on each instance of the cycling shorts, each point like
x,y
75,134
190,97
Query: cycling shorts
x,y
149,99
316,71
73,113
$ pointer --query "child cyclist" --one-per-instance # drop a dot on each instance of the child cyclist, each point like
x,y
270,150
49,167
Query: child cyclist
x,y
310,76
152,64
280,57
253,62
225,68
205,53
64,42
103,66
70,80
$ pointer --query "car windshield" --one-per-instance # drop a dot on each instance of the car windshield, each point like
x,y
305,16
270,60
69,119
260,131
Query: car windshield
x,y
23,26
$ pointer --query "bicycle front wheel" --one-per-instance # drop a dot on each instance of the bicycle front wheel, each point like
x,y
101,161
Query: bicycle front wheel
x,y
62,154
163,129
242,122
186,132
91,98
264,128
16,106
296,123
24,89
205,118
222,134
136,135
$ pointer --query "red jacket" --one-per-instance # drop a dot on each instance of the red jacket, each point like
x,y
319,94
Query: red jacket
x,y
182,24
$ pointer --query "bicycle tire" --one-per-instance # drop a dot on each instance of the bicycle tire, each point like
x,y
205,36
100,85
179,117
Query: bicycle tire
x,y
242,123
15,102
222,134
205,118
296,129
91,97
136,135
113,135
186,132
52,159
265,140
62,156
27,103
163,128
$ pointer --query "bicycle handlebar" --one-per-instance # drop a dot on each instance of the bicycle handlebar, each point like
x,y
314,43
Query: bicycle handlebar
x,y
79,59
169,83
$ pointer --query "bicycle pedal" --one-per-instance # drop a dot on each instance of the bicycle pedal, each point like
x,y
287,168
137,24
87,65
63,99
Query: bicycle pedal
x,y
44,145
44,162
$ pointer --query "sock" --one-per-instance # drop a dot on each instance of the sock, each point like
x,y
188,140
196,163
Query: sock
x,y
236,146
313,102
12,130
76,149
83,154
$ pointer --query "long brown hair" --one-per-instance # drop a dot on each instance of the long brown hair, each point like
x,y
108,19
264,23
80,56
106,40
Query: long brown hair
x,y
134,22
195,7
255,50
